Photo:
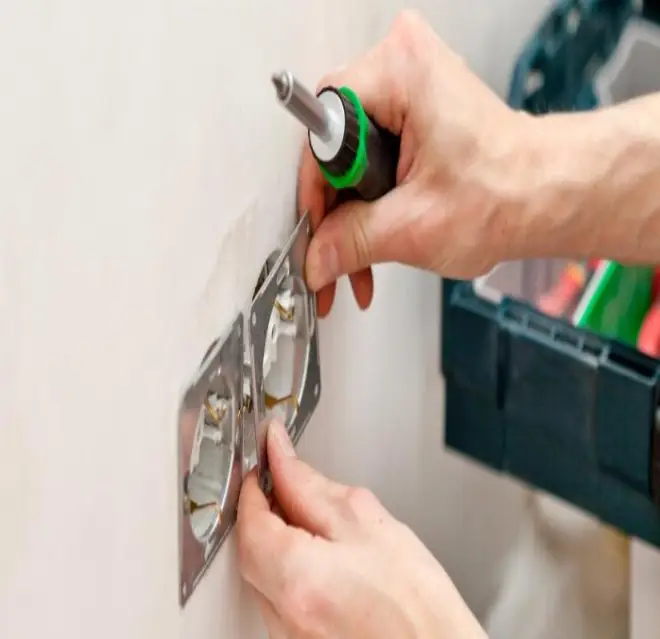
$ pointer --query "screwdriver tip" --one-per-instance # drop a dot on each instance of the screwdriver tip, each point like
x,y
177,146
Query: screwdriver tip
x,y
281,83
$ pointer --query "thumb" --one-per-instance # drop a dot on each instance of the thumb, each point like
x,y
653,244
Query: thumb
x,y
308,499
356,235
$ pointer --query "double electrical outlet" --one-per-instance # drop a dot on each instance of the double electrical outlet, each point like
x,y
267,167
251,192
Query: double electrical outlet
x,y
265,365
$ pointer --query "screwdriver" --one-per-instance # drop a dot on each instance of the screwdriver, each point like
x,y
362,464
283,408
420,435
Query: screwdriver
x,y
352,151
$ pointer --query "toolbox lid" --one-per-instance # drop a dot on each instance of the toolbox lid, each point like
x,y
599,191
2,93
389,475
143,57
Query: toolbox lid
x,y
555,71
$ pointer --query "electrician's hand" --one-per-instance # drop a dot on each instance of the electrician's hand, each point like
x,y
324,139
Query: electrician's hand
x,y
331,562
458,148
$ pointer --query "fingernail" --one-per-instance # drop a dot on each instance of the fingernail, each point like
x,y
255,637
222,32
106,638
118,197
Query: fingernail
x,y
322,266
281,438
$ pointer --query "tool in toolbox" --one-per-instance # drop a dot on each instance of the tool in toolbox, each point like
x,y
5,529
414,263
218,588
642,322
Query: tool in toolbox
x,y
616,301
563,298
648,340
588,295
352,151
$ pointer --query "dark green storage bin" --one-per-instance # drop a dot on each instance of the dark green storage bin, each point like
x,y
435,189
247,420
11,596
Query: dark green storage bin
x,y
565,410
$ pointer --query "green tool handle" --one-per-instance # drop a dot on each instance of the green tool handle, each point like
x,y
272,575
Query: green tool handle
x,y
366,163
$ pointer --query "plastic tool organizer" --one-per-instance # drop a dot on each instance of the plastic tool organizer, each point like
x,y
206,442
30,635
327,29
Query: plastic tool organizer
x,y
566,410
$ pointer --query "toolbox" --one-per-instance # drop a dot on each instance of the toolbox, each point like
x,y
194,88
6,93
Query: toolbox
x,y
568,407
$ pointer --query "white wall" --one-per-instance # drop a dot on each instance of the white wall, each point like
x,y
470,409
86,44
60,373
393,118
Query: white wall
x,y
145,174
645,585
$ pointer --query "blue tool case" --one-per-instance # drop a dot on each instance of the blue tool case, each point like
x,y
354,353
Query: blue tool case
x,y
565,410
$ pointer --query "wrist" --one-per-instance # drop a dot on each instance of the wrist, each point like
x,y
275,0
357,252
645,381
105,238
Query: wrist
x,y
517,187
489,194
580,185
535,173
566,158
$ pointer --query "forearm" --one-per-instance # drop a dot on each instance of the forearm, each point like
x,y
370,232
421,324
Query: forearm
x,y
592,185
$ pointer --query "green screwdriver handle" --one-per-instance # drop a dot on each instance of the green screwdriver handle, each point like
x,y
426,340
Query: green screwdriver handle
x,y
368,158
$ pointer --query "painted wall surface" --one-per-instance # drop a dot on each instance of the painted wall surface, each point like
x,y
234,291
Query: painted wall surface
x,y
645,584
145,174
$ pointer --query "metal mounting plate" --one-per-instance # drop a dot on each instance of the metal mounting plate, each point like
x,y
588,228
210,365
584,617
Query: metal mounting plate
x,y
224,412
288,272
210,456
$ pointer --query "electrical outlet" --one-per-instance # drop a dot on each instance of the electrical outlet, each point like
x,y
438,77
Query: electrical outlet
x,y
286,374
210,455
266,365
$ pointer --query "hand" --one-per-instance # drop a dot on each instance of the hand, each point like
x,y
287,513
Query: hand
x,y
458,148
334,563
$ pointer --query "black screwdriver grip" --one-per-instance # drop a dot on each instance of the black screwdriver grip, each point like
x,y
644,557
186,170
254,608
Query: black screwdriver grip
x,y
379,177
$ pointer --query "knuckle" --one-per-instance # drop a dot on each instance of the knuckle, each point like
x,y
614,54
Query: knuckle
x,y
361,503
407,50
407,25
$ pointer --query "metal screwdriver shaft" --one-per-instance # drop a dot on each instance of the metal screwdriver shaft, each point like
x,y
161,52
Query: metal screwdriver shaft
x,y
302,104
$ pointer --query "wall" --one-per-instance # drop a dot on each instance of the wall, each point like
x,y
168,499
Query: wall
x,y
644,611
145,174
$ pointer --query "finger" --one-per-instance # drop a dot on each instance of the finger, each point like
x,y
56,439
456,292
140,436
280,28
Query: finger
x,y
313,195
316,196
362,284
325,299
326,296
308,499
277,510
359,234
264,540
